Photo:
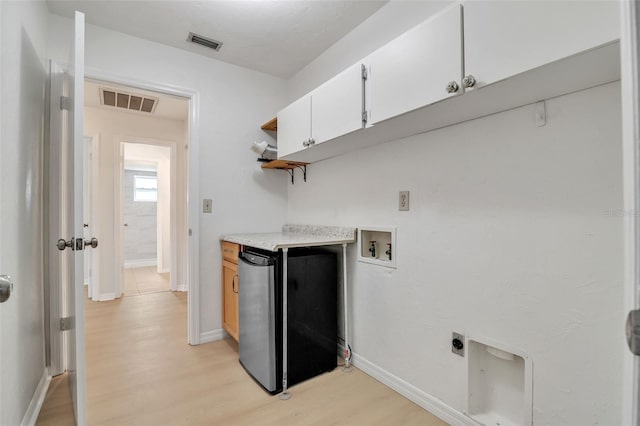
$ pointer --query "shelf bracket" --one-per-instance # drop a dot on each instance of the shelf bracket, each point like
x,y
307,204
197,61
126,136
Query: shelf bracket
x,y
291,172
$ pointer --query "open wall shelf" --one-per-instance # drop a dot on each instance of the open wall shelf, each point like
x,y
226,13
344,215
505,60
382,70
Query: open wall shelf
x,y
289,166
271,125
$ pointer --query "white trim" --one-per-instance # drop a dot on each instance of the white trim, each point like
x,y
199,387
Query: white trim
x,y
142,263
182,287
630,88
430,403
31,415
104,297
53,225
193,186
193,197
212,336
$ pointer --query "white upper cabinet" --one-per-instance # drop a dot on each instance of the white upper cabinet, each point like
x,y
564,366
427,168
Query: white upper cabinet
x,y
331,110
506,38
337,105
294,126
415,69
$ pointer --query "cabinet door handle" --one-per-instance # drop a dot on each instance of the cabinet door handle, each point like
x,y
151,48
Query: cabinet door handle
x,y
305,143
452,87
312,141
469,81
233,284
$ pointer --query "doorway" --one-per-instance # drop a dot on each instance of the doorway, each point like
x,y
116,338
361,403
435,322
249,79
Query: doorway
x,y
149,219
142,189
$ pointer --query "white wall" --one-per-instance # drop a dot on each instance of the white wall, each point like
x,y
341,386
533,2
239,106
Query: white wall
x,y
514,234
509,237
234,102
23,77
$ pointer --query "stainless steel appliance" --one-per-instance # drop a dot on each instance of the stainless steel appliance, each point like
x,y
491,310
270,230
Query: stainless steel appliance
x,y
311,315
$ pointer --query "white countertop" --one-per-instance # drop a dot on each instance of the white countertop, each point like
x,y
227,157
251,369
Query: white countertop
x,y
295,236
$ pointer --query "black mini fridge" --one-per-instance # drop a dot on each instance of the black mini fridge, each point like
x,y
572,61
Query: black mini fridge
x,y
312,314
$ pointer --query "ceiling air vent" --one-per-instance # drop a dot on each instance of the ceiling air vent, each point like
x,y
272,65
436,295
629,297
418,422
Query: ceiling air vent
x,y
128,101
204,41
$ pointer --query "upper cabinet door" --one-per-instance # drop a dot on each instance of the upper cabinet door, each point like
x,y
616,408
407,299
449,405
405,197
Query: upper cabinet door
x,y
337,105
414,70
294,126
505,38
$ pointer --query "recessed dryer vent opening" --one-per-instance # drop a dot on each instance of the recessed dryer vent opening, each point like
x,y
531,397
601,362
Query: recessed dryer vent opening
x,y
499,387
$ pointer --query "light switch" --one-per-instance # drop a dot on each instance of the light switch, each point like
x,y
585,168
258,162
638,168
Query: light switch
x,y
206,205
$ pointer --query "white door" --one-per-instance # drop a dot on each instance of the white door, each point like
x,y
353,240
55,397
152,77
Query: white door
x,y
88,222
630,72
66,205
294,126
337,105
505,38
415,69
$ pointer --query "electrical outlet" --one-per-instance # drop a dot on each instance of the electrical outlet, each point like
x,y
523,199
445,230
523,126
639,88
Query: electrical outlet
x,y
403,201
457,343
206,205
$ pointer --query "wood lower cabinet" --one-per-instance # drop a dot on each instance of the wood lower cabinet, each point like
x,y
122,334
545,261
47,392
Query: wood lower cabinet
x,y
230,289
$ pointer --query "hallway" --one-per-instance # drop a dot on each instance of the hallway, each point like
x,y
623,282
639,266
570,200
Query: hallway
x,y
142,372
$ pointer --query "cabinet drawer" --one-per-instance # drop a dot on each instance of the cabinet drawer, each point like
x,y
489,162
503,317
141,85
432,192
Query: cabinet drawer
x,y
230,251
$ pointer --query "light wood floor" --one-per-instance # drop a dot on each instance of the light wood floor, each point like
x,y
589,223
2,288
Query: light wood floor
x,y
145,280
141,371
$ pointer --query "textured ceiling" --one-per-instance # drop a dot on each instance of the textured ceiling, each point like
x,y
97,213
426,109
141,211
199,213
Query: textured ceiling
x,y
275,37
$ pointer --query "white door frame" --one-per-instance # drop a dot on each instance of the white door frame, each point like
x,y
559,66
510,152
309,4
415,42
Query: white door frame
x,y
53,233
92,158
118,206
630,70
193,185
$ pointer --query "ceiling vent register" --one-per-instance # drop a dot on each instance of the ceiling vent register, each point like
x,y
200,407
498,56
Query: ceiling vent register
x,y
204,41
129,101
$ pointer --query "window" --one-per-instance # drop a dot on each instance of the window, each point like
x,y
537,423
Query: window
x,y
145,188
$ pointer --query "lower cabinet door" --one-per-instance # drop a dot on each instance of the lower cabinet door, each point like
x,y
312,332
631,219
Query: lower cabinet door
x,y
230,286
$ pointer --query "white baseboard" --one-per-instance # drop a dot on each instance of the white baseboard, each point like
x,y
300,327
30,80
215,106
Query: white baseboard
x,y
141,263
211,336
105,297
182,287
33,410
430,403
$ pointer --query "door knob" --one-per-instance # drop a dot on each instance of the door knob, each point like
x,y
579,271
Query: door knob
x,y
452,87
93,243
62,244
86,225
6,287
469,81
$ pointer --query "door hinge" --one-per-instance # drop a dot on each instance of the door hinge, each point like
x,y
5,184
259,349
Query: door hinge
x,y
365,115
66,323
65,103
633,331
365,75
